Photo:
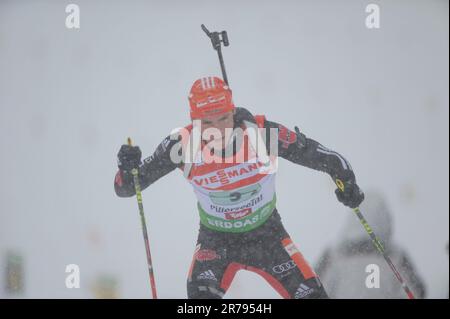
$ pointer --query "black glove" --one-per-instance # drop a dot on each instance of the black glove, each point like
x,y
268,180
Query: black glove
x,y
129,157
351,196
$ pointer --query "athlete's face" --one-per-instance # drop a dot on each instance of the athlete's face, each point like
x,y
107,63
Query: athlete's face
x,y
220,123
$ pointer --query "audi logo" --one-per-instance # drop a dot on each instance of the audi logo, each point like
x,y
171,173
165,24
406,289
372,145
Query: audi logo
x,y
284,267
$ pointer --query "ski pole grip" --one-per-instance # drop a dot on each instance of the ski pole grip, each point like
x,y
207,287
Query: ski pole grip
x,y
134,171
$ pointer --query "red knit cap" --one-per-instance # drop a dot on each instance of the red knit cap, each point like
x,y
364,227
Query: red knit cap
x,y
210,96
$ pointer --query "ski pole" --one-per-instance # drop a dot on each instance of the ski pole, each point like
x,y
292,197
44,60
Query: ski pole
x,y
216,39
137,188
378,245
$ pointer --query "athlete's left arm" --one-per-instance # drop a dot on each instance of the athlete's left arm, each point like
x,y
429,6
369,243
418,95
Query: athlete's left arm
x,y
299,149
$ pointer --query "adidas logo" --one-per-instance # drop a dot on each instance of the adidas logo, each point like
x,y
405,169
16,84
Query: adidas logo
x,y
303,291
207,275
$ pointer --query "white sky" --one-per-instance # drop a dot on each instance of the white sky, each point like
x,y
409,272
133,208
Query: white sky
x,y
69,99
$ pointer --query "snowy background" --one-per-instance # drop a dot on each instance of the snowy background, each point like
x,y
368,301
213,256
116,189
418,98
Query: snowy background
x,y
69,99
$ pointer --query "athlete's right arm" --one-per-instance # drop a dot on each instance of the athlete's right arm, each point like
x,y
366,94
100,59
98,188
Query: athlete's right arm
x,y
153,168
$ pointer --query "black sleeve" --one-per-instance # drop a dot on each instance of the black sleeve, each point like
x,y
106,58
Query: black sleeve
x,y
299,149
153,168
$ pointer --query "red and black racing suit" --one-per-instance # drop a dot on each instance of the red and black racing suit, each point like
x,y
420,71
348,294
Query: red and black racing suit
x,y
266,250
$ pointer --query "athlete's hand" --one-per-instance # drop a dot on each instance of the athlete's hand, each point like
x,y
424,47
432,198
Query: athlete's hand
x,y
349,193
129,157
